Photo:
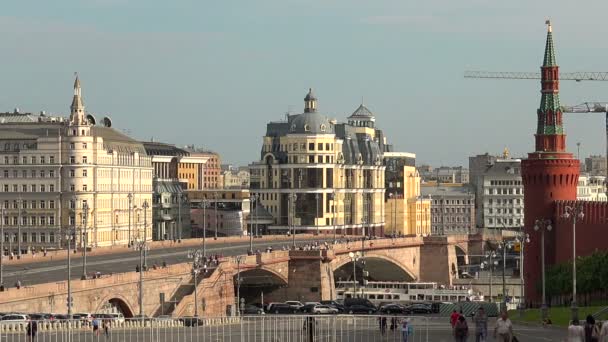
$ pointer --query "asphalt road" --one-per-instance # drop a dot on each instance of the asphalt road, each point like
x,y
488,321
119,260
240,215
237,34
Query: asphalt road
x,y
53,271
336,329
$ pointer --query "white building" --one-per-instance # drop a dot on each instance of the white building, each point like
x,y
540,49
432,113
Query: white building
x,y
58,174
591,188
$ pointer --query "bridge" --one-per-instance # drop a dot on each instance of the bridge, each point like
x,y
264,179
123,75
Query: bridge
x,y
306,275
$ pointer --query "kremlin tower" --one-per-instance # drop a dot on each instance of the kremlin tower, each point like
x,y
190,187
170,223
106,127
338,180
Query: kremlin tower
x,y
549,173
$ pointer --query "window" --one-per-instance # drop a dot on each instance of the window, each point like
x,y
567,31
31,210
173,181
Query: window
x,y
319,159
311,146
311,159
51,204
72,173
52,188
320,146
42,188
42,237
24,237
42,220
84,173
42,160
42,204
72,188
5,173
15,188
33,160
24,188
33,205
42,173
84,159
52,160
33,173
84,145
72,220
52,174
72,160
72,146
84,187
51,237
24,160
72,204
23,173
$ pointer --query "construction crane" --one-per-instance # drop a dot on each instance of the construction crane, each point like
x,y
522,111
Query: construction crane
x,y
569,76
586,107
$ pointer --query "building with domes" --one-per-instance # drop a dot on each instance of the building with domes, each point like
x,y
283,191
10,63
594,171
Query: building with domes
x,y
317,175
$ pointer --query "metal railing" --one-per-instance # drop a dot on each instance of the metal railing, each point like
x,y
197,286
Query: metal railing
x,y
273,328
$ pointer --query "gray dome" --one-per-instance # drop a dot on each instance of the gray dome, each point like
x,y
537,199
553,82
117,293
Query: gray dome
x,y
310,123
362,112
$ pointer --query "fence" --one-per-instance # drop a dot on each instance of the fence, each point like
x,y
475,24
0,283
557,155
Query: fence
x,y
272,328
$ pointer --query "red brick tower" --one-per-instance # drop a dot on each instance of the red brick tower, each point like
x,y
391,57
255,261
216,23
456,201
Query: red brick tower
x,y
549,173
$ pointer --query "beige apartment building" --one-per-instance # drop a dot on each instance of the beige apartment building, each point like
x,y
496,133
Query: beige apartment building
x,y
60,174
316,175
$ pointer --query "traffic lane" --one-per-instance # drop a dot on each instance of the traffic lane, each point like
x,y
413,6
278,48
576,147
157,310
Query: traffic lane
x,y
119,263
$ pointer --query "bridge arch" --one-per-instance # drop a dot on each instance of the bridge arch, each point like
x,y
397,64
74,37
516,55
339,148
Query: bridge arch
x,y
259,281
118,302
379,267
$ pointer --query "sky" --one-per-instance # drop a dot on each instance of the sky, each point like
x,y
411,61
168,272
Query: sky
x,y
213,73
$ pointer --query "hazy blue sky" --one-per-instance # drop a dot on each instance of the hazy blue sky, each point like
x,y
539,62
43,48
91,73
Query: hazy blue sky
x,y
213,73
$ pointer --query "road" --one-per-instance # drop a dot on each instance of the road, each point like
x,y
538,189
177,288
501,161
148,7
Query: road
x,y
274,328
53,271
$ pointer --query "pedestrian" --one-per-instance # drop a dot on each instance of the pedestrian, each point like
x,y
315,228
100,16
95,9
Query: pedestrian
x,y
592,331
461,330
503,331
481,325
106,328
18,284
393,323
406,329
454,318
382,323
576,333
96,326
604,332
32,329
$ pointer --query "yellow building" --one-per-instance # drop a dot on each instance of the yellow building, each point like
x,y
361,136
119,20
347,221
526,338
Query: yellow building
x,y
316,175
407,212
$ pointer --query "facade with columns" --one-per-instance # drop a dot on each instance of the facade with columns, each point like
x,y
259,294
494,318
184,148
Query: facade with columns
x,y
315,174
72,173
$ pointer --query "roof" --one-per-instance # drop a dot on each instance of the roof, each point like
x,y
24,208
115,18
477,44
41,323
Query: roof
x,y
310,123
447,191
310,96
549,59
114,140
17,117
162,149
362,112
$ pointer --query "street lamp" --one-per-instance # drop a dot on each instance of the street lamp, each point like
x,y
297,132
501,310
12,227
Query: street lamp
x,y
215,197
523,238
333,219
317,217
239,260
85,215
354,257
490,263
21,212
251,206
293,198
197,256
145,206
504,247
2,248
180,199
205,203
69,236
574,213
542,225
130,197
141,246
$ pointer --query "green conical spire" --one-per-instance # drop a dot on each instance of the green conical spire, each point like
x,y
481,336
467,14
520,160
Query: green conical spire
x,y
549,59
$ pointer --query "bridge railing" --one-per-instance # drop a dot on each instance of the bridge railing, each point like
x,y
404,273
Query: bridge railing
x,y
296,328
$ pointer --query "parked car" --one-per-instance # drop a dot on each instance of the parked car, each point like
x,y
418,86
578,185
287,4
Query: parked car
x,y
420,308
60,317
41,316
113,316
313,303
253,310
87,317
307,308
334,304
394,309
360,309
164,318
358,301
294,304
14,318
324,310
190,321
282,309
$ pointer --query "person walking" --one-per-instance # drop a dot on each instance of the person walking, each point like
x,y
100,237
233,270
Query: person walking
x,y
604,332
503,331
592,331
481,325
406,329
32,329
382,322
454,318
96,326
576,333
461,330
106,328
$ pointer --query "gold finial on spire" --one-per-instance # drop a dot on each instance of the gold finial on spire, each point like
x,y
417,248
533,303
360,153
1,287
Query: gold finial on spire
x,y
548,23
505,153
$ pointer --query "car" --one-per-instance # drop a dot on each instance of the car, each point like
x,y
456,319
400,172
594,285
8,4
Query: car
x,y
112,316
420,308
466,275
282,309
61,317
393,309
86,317
294,304
40,316
14,318
307,308
136,318
313,303
358,301
360,309
191,321
324,310
164,318
333,304
253,310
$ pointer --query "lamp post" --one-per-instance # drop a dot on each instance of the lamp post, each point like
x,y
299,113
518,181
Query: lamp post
x,y
130,197
523,239
2,248
85,215
251,206
196,255
145,206
575,212
205,203
239,260
215,197
141,246
21,211
333,220
255,217
293,198
69,300
490,264
317,216
354,257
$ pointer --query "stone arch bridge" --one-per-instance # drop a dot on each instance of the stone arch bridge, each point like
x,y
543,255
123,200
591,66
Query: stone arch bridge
x,y
280,275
